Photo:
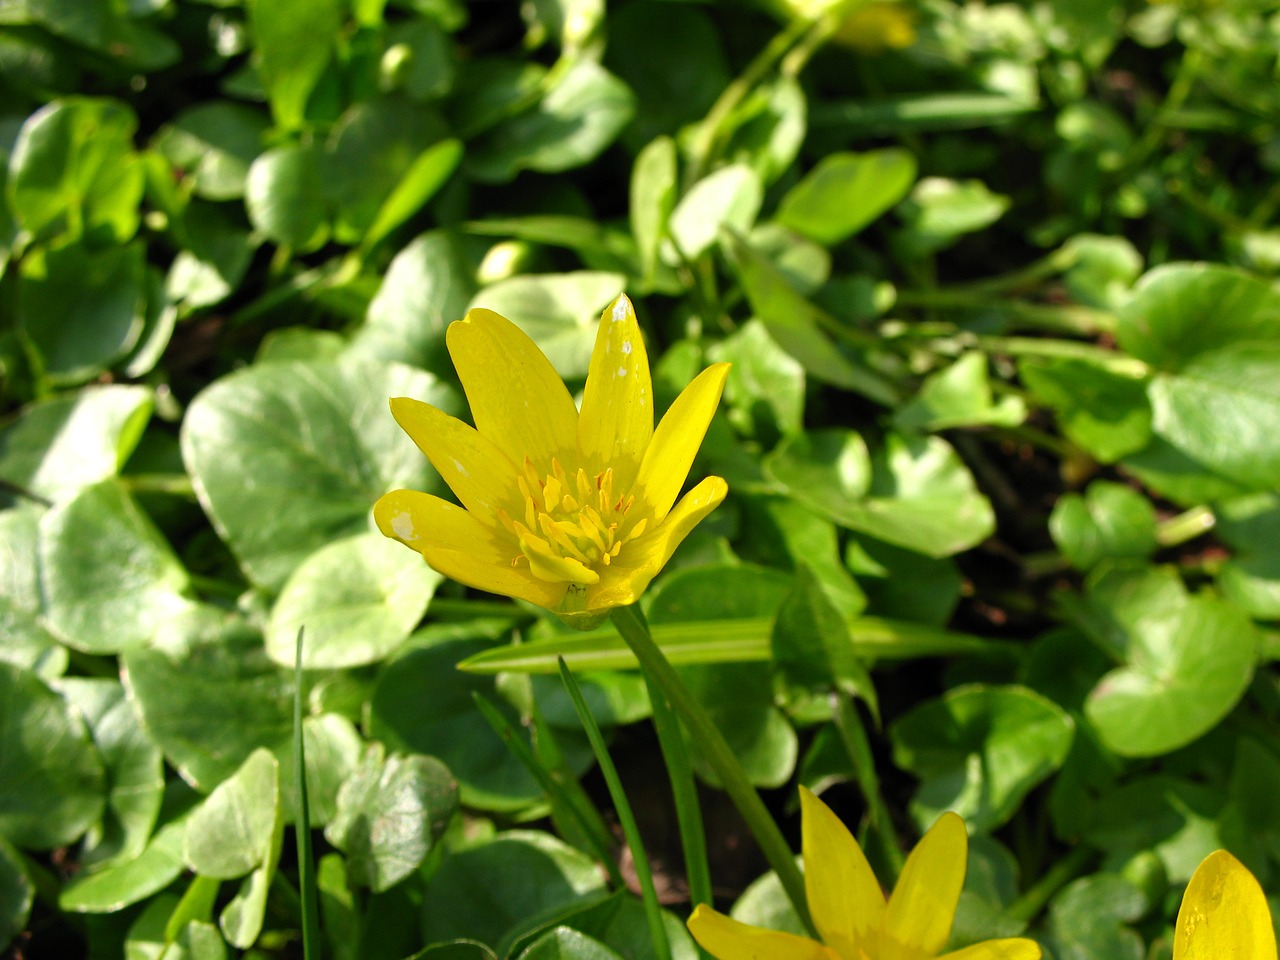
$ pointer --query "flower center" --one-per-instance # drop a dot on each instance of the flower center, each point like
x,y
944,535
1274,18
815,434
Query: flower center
x,y
571,523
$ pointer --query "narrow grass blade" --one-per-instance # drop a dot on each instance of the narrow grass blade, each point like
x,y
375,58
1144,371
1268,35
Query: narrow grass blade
x,y
652,909
725,641
716,751
302,822
567,800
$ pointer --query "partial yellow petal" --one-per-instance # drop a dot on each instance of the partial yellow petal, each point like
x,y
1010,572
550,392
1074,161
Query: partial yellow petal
x,y
1224,914
1014,948
624,580
482,476
675,443
923,904
617,405
727,939
845,898
517,399
458,545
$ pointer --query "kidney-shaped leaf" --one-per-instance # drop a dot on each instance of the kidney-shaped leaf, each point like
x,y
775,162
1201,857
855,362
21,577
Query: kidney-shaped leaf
x,y
357,599
391,811
1188,665
51,778
978,750
289,457
845,192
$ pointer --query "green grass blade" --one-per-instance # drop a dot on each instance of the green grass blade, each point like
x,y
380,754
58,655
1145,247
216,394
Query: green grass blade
x,y
302,822
572,801
723,641
716,751
652,909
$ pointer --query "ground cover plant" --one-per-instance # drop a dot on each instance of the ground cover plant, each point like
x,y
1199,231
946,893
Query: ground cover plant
x,y
985,526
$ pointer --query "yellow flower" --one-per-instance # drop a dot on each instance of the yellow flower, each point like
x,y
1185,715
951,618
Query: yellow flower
x,y
575,512
1224,914
849,908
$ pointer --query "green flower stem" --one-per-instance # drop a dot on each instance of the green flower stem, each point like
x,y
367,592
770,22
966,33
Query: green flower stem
x,y
1065,349
1185,526
854,737
717,753
708,133
1035,897
627,820
684,790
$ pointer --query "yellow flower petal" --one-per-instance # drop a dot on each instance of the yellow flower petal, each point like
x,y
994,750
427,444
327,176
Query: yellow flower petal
x,y
923,904
517,399
675,443
1014,948
727,939
639,561
617,405
1224,914
458,545
845,898
474,468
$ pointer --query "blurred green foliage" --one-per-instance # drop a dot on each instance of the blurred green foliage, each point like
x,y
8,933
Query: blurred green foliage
x,y
997,281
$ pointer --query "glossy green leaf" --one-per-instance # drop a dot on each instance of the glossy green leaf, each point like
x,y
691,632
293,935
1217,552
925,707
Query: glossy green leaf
x,y
578,117
1188,660
382,155
292,39
358,599
765,390
560,311
285,197
134,768
565,943
232,831
214,698
940,211
391,811
492,890
1109,520
214,143
82,310
653,197
1090,918
730,197
289,457
1104,410
845,192
1251,578
960,396
52,785
73,171
427,286
919,495
1211,333
422,705
123,884
799,326
424,177
812,646
58,447
979,750
110,579
16,894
